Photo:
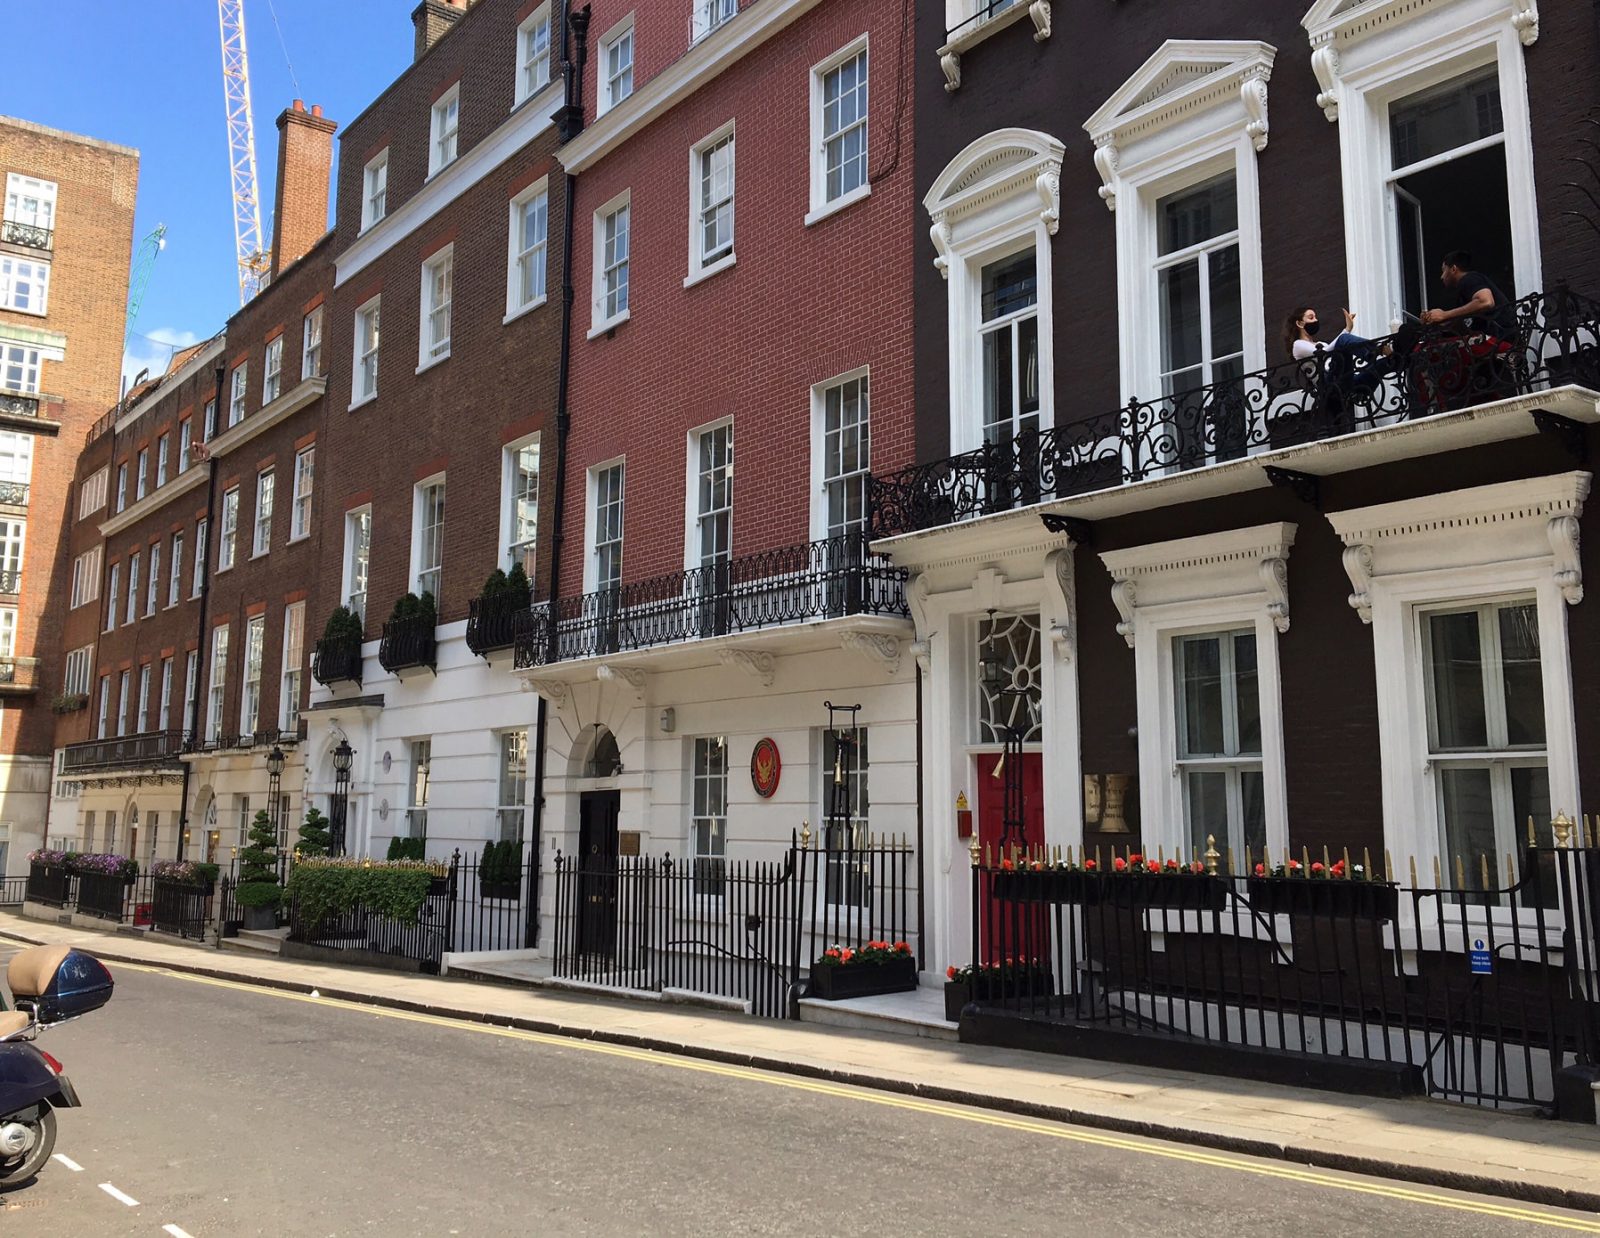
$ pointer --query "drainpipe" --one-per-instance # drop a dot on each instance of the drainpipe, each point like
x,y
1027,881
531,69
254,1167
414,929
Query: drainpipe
x,y
569,123
205,599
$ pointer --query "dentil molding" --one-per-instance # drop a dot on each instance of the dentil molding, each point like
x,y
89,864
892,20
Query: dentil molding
x,y
1008,175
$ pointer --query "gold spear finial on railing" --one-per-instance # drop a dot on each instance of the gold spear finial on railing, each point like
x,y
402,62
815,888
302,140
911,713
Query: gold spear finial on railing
x,y
1212,854
805,835
1533,838
975,850
1562,826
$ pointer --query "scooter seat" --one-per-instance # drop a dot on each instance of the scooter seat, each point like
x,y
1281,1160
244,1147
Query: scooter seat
x,y
12,1022
31,971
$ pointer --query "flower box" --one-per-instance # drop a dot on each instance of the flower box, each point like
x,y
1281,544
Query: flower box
x,y
1310,896
839,982
1169,892
1019,986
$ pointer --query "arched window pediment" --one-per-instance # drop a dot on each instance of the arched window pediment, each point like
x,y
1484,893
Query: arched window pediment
x,y
995,183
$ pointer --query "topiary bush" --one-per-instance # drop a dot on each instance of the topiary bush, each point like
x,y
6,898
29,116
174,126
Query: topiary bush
x,y
315,835
407,849
343,625
258,865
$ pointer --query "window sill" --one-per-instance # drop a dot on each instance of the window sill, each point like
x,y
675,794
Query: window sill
x,y
258,554
822,212
362,402
299,537
610,324
429,362
17,309
435,173
368,227
710,269
221,570
513,315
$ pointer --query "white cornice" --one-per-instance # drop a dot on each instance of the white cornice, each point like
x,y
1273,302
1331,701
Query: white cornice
x,y
1533,498
1009,173
719,50
523,126
170,383
289,403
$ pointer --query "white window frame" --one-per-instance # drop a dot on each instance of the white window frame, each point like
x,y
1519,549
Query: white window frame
x,y
175,570
591,568
512,791
427,569
185,441
717,822
124,697
141,474
1218,582
238,384
304,483
255,648
261,526
202,547
20,366
533,64
217,682
291,666
228,531
191,687
433,332
375,189
1364,61
615,87
43,213
1510,540
152,583
86,577
1193,129
539,252
356,520
602,321
272,371
92,494
365,352
821,204
132,612
78,676
311,344
112,579
35,276
122,486
141,717
699,266
694,517
820,479
1011,207
163,450
516,549
444,130
103,721
419,786
709,15
164,717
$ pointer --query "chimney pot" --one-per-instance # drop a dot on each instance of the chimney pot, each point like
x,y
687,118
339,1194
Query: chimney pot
x,y
316,109
299,105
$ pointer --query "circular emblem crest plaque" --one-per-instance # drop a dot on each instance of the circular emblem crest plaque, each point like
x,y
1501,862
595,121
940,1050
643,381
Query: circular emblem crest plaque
x,y
765,768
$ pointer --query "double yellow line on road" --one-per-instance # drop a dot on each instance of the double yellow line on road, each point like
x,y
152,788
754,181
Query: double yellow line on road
x,y
1032,1126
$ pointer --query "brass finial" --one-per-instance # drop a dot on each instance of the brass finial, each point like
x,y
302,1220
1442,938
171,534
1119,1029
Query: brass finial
x,y
974,850
1212,854
805,834
1562,826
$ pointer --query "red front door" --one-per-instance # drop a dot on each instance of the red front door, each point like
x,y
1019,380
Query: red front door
x,y
992,802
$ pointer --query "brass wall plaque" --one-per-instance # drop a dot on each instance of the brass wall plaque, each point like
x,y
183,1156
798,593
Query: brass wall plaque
x,y
628,842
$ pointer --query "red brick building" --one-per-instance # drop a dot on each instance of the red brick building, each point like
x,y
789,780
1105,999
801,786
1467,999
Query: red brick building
x,y
65,237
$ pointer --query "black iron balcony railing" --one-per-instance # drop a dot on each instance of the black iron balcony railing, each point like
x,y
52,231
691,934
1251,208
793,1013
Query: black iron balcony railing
x,y
985,10
1415,374
19,674
18,404
262,737
825,579
337,659
11,582
408,643
491,623
15,232
150,748
14,493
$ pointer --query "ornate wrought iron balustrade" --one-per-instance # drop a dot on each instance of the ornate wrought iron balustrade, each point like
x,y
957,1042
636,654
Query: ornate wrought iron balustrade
x,y
407,643
336,659
824,579
1415,374
14,493
491,623
10,582
15,232
127,752
17,404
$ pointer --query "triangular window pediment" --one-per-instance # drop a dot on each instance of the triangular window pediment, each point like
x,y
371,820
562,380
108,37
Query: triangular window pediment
x,y
1178,78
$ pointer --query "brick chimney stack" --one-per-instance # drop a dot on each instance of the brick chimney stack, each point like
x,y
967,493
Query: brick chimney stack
x,y
305,155
433,19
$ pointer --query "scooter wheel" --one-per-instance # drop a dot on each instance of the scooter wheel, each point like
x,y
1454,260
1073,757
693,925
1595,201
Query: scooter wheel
x,y
33,1160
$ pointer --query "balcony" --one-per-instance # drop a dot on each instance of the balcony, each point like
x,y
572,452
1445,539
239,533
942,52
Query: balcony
x,y
408,643
491,623
262,737
826,579
149,750
337,660
1426,374
11,582
15,232
13,494
19,404
19,676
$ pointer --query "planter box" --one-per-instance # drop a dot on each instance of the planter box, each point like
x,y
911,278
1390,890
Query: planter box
x,y
1175,893
1306,896
257,919
958,993
510,887
839,982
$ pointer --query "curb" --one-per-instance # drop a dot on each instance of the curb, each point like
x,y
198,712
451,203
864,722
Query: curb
x,y
1319,1158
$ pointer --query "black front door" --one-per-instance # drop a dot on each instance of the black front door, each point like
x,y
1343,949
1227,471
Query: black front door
x,y
597,871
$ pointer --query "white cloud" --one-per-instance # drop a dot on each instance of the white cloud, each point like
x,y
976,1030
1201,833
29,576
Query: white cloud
x,y
152,351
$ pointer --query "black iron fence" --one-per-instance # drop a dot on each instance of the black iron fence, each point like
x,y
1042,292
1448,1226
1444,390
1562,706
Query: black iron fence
x,y
408,642
50,884
181,907
337,659
748,930
825,579
130,751
103,895
491,622
1480,991
423,939
14,493
1417,373
13,891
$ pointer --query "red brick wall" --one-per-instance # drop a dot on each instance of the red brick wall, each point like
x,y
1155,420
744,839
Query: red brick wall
x,y
801,304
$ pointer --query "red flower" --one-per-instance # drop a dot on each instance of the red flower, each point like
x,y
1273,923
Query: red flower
x,y
1261,870
1037,867
901,947
1136,858
1338,868
1007,866
1090,866
950,972
1119,864
832,952
846,956
1196,867
1316,867
1294,866
1172,866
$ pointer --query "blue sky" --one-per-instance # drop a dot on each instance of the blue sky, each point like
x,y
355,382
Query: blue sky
x,y
147,73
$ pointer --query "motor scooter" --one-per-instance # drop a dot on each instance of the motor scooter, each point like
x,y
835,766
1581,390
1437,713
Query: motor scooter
x,y
49,985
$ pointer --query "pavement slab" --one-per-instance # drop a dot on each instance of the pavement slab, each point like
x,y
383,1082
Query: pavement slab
x,y
1416,1140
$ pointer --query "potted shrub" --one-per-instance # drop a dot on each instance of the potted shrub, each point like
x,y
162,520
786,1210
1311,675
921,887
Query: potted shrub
x,y
491,619
500,870
315,836
338,654
258,892
401,848
877,967
408,636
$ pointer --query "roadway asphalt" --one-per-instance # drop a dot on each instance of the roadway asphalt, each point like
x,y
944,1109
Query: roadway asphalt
x,y
228,1110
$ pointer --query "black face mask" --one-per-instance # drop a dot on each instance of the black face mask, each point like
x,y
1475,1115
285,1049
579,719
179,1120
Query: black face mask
x,y
1311,328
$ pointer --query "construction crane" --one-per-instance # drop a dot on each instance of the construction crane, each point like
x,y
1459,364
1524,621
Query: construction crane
x,y
143,263
248,239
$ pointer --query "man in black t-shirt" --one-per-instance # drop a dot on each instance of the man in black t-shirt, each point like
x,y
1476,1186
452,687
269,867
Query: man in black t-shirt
x,y
1478,300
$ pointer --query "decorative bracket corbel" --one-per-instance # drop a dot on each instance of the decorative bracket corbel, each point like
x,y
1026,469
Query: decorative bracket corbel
x,y
1525,21
630,675
1275,580
1564,542
1105,163
1039,10
758,665
1358,567
875,647
922,651
950,62
1125,597
553,690
1065,586
1048,187
1325,64
940,232
1254,93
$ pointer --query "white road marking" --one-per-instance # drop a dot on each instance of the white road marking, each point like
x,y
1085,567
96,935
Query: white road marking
x,y
68,1162
176,1232
119,1196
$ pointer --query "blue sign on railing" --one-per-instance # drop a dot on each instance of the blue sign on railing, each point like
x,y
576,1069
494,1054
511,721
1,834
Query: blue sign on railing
x,y
1480,958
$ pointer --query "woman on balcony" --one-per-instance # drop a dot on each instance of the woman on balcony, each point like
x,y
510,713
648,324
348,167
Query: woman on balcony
x,y
1349,361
